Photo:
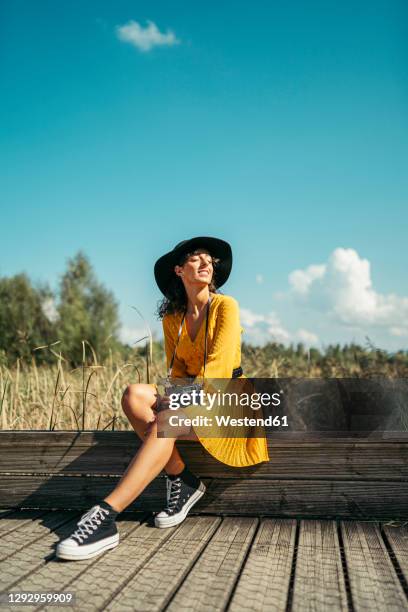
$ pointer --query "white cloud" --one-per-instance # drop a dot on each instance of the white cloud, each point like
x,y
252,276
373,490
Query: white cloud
x,y
337,300
249,318
301,280
145,38
261,329
399,331
259,279
342,288
308,338
275,329
130,335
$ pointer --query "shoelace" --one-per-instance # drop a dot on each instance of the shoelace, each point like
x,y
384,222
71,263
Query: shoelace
x,y
173,493
89,522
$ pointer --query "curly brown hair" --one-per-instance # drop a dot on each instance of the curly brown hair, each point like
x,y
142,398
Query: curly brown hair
x,y
176,300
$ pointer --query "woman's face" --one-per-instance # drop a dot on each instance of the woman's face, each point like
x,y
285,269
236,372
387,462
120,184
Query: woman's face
x,y
197,269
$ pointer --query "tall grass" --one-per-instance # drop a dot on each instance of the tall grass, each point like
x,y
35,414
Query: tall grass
x,y
60,397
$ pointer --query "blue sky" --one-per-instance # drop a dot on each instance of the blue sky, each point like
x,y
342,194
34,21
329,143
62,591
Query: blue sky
x,y
280,127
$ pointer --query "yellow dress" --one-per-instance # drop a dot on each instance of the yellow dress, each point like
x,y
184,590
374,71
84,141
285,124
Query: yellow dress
x,y
223,355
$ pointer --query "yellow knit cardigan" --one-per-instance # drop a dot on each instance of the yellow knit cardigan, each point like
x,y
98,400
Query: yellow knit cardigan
x,y
223,355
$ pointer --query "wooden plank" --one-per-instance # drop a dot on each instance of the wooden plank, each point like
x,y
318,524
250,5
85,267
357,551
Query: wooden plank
x,y
288,459
99,582
262,584
373,581
111,452
86,439
352,460
154,584
26,556
58,575
71,492
307,498
397,537
210,582
280,498
56,452
29,532
39,439
319,581
15,519
264,581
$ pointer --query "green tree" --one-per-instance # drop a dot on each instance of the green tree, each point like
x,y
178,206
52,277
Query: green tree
x,y
23,321
87,311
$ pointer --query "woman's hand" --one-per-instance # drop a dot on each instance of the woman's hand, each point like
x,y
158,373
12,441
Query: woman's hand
x,y
162,404
162,417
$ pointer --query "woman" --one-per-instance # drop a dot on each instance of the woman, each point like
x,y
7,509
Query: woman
x,y
202,336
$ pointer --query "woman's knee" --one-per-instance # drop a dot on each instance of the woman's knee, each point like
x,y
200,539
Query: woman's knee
x,y
137,401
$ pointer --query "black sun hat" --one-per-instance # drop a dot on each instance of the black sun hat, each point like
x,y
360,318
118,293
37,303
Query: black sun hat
x,y
164,266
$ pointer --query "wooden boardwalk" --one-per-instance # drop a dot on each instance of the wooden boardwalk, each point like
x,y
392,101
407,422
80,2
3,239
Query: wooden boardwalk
x,y
213,562
321,527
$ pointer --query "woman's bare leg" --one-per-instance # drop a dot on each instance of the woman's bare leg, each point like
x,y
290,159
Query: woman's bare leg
x,y
152,457
145,466
138,401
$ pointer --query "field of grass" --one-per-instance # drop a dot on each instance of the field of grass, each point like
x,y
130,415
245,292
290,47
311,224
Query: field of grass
x,y
89,396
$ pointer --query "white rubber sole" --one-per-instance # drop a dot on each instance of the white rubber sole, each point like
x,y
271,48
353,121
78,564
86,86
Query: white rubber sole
x,y
171,521
88,551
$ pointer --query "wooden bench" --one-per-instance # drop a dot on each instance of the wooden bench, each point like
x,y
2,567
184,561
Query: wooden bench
x,y
292,535
320,475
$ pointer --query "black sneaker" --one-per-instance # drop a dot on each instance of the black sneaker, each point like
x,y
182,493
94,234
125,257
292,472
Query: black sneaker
x,y
96,532
183,491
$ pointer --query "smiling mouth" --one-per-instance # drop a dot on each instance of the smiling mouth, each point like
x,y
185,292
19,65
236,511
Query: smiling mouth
x,y
205,271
